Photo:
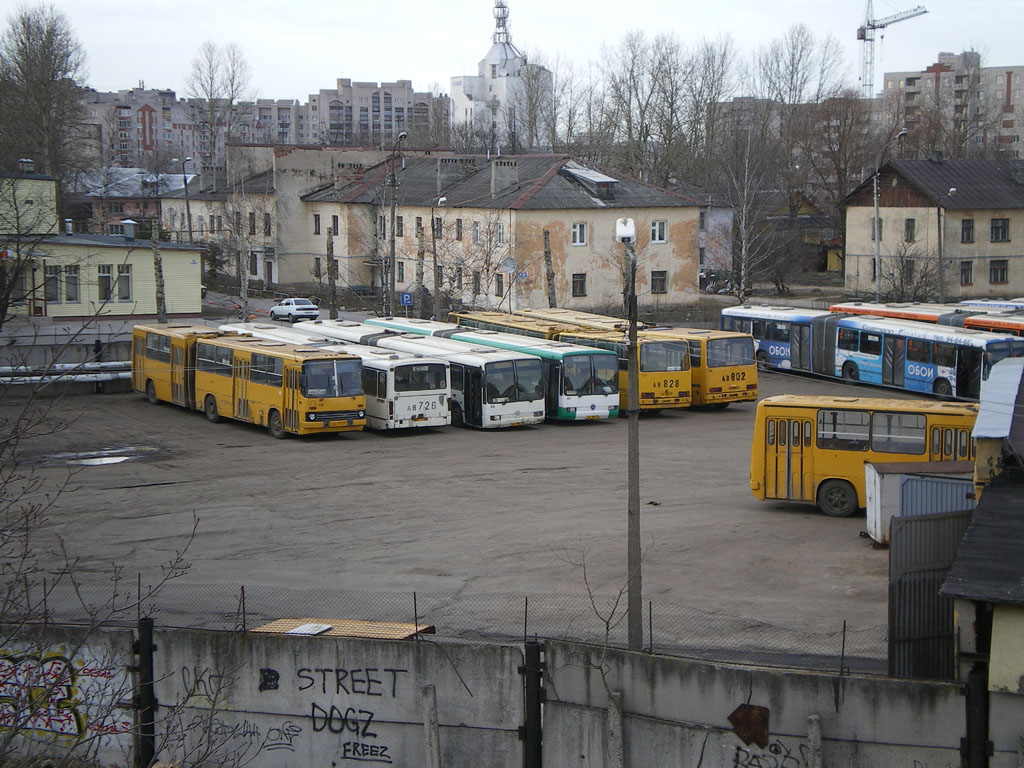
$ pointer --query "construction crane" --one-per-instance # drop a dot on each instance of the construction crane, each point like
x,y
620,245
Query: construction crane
x,y
867,34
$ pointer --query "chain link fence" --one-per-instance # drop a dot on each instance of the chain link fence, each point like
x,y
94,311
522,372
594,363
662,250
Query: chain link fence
x,y
671,629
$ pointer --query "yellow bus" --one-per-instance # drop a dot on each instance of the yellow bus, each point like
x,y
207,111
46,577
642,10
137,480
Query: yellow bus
x,y
288,388
664,369
814,449
722,365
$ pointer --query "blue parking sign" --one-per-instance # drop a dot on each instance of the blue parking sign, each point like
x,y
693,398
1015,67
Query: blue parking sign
x,y
405,299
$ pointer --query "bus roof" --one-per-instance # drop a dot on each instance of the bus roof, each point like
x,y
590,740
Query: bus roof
x,y
372,357
773,312
295,352
905,309
461,352
941,333
538,324
869,403
180,330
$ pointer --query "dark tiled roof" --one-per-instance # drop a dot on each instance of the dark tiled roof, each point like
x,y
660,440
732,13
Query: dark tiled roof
x,y
988,562
544,182
980,184
113,241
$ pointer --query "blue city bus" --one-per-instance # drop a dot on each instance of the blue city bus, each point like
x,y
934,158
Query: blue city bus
x,y
782,335
994,304
908,355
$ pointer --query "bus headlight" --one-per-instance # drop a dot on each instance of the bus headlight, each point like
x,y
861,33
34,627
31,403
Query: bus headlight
x,y
310,417
362,414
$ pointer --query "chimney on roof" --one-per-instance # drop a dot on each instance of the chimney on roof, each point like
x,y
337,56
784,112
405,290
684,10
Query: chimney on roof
x,y
129,230
504,174
449,171
26,164
68,229
935,156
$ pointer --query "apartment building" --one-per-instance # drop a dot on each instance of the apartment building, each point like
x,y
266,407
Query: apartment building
x,y
980,106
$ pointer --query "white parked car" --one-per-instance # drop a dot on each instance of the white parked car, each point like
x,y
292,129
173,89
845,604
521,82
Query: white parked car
x,y
295,309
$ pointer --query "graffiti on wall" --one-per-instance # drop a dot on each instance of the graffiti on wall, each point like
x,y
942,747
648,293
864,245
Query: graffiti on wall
x,y
54,694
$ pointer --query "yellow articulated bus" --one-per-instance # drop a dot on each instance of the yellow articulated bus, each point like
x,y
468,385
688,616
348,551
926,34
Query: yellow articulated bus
x,y
722,365
814,449
664,369
288,388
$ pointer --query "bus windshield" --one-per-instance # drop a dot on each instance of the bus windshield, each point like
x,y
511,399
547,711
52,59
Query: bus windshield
x,y
514,381
664,356
590,375
725,352
996,351
331,378
419,377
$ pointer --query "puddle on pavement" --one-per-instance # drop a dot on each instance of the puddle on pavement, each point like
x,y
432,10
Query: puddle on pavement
x,y
103,456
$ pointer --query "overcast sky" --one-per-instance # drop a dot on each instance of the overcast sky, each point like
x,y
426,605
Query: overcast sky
x,y
296,48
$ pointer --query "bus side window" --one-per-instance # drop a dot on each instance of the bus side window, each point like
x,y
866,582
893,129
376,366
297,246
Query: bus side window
x,y
807,434
771,432
849,339
369,382
780,332
947,442
796,434
458,378
783,433
382,385
757,329
871,344
936,445
695,354
963,451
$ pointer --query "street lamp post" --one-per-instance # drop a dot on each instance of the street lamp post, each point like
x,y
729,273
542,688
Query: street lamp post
x,y
436,281
184,183
876,234
941,214
625,233
393,183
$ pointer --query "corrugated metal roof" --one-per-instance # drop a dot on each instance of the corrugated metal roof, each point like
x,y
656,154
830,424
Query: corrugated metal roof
x,y
988,562
537,182
979,184
1000,399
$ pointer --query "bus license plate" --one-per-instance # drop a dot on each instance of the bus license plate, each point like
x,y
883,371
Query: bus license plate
x,y
346,423
593,418
514,424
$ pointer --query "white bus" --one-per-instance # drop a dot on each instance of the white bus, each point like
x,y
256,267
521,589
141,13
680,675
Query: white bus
x,y
491,388
581,383
403,390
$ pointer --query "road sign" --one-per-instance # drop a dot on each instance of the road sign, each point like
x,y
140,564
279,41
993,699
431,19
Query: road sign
x,y
405,299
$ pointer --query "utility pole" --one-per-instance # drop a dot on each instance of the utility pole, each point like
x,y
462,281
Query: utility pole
x,y
420,257
332,273
625,233
393,183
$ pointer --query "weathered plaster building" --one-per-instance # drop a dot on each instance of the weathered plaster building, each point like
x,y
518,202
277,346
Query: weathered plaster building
x,y
967,215
510,231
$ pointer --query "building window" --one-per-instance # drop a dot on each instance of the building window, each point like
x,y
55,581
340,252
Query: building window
x,y
238,222
252,222
400,272
659,281
437,227
876,228
458,278
700,256
117,207
659,231
997,271
212,222
579,284
1000,230
579,233
382,228
105,281
500,233
266,224
967,231
115,229
399,226
124,282
71,293
499,284
334,225
909,230
419,226
316,267
703,220
458,229
476,234
966,273
254,263
52,285
316,223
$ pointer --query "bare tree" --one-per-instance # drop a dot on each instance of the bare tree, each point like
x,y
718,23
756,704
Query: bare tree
x,y
219,79
909,274
41,65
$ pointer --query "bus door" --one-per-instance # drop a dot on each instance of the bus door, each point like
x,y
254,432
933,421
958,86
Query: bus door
x,y
947,443
894,360
139,363
180,390
968,372
240,387
292,388
473,400
788,459
800,347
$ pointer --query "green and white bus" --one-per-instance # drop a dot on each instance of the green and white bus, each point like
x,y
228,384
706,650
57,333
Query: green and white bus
x,y
581,383
491,388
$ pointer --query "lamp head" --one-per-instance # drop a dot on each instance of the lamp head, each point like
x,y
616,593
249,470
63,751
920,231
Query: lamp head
x,y
402,135
900,134
952,191
442,200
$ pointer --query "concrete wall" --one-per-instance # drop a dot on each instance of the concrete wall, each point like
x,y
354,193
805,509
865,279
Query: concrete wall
x,y
79,682
677,713
273,700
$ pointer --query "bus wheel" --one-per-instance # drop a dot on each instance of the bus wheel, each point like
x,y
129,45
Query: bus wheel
x,y
762,360
720,406
151,392
210,407
837,498
456,415
942,388
274,425
850,372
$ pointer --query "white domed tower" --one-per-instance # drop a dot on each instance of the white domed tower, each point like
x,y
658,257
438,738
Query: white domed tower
x,y
494,101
